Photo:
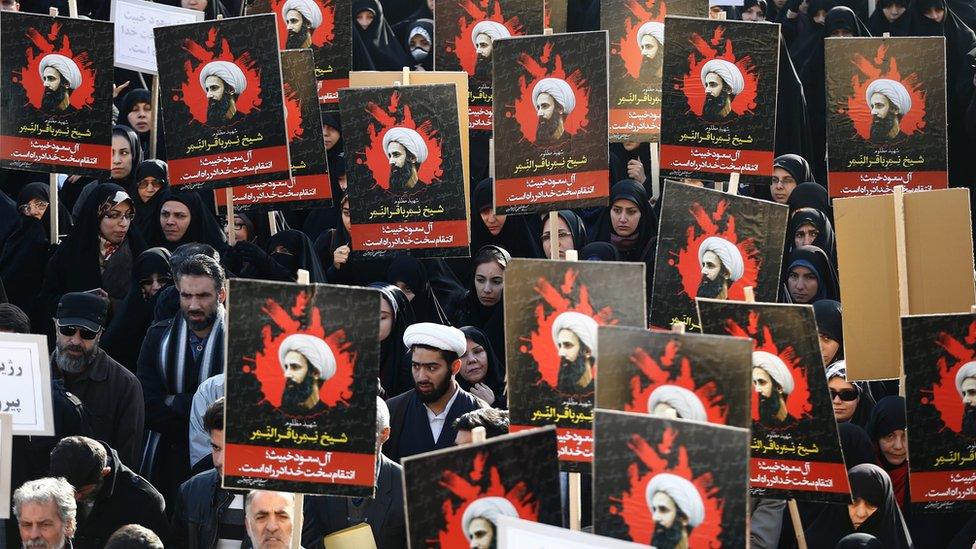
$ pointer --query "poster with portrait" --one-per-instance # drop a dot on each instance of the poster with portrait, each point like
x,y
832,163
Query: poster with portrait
x,y
669,483
795,448
25,383
636,30
719,100
464,35
679,376
301,388
325,27
940,399
712,244
553,310
406,178
454,496
886,110
222,105
550,122
56,94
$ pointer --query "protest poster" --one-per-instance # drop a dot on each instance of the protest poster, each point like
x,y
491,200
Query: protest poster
x,y
25,391
940,400
452,496
6,459
56,112
222,106
636,30
516,533
795,448
557,13
134,23
464,33
646,464
684,376
712,244
406,179
325,27
550,122
301,386
719,100
552,312
886,110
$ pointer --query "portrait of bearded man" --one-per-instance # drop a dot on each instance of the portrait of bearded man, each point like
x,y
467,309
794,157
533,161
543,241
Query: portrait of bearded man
x,y
223,83
722,81
61,76
301,17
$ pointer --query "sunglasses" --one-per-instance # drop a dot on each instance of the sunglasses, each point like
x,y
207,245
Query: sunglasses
x,y
163,281
846,395
69,331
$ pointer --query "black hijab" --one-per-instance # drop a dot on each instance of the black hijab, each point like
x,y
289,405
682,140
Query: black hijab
x,y
519,234
888,416
808,216
817,260
856,444
381,46
796,165
878,23
872,484
302,255
634,192
830,322
599,251
130,100
410,271
811,195
395,375
203,227
576,228
844,18
859,540
408,27
495,375
471,312
865,404
145,211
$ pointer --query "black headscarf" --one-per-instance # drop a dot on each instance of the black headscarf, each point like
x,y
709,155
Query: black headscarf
x,y
406,33
748,4
872,484
796,165
130,100
856,444
599,251
470,312
203,227
830,322
495,375
859,540
878,23
302,254
634,192
811,195
146,211
380,43
845,18
808,216
519,234
865,403
576,228
411,271
817,260
395,375
888,416
622,157
135,146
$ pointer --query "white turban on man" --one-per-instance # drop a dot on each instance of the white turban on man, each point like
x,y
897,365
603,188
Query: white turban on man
x,y
559,90
682,491
727,71
308,8
410,140
231,74
492,29
438,336
651,28
967,371
727,252
582,325
775,367
315,350
65,66
895,91
685,402
488,508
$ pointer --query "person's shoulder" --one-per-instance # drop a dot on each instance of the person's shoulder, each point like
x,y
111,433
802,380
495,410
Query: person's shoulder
x,y
399,400
205,480
118,370
472,400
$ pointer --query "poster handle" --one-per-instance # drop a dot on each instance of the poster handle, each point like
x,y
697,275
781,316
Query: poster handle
x,y
303,277
655,171
575,501
154,117
734,184
272,222
678,327
405,78
231,234
73,9
296,531
572,255
972,310
52,206
547,31
801,539
901,256
553,235
750,294
478,434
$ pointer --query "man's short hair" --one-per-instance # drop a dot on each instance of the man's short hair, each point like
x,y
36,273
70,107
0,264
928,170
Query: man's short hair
x,y
79,460
448,356
14,319
201,265
213,418
250,495
190,249
494,421
48,490
134,536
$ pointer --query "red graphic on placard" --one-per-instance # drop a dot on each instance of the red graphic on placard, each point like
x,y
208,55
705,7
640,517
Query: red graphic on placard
x,y
323,34
717,47
479,483
477,11
885,67
53,42
217,48
944,395
666,457
628,48
293,113
267,368
548,65
670,369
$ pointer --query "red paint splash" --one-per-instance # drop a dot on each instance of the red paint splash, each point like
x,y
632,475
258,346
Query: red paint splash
x,y
217,48
267,368
667,370
717,47
324,34
943,394
54,42
465,490
477,11
628,49
857,106
375,156
548,66
293,113
632,505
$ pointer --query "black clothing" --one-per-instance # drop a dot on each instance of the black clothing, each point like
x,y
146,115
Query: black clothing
x,y
409,427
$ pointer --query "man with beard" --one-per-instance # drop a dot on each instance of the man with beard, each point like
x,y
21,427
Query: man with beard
x,y
672,401
301,18
478,520
61,76
109,494
223,83
676,507
406,151
110,392
650,40
722,265
46,513
966,385
307,362
574,335
422,418
722,81
773,382
483,35
889,101
554,100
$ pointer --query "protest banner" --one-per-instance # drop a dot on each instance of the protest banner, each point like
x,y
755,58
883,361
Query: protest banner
x,y
222,106
56,113
719,100
886,110
25,392
516,533
684,376
453,495
301,386
552,312
557,13
6,458
795,448
737,241
550,122
134,23
693,470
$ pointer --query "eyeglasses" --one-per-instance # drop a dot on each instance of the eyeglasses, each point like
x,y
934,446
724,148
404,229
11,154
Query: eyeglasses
x,y
847,395
147,182
115,216
69,331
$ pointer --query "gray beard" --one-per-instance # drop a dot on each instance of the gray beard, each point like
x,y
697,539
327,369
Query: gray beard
x,y
41,543
71,365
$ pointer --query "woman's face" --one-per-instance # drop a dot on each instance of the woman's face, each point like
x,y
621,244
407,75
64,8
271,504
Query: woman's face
x,y
802,284
331,135
241,234
35,208
148,187
782,185
624,217
805,235
406,289
346,220
489,281
494,223
364,19
893,11
828,349
174,218
116,222
843,409
935,13
754,13
199,5
140,117
151,285
860,511
386,319
121,157
564,235
894,447
474,363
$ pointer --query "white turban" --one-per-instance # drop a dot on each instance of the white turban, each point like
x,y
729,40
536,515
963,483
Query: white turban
x,y
231,74
66,66
308,8
727,252
559,90
410,140
651,28
727,71
316,352
438,336
682,491
582,325
685,402
492,28
488,508
775,367
894,91
967,371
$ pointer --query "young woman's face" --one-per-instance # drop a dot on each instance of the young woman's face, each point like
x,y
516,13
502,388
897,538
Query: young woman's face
x,y
893,11
493,222
489,281
802,284
364,19
121,157
839,389
115,224
386,319
346,219
624,217
140,117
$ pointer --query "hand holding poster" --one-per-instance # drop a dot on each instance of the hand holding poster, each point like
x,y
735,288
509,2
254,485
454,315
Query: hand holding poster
x,y
134,23
25,383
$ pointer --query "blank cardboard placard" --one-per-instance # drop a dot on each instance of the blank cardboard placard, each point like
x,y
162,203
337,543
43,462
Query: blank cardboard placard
x,y
516,533
359,536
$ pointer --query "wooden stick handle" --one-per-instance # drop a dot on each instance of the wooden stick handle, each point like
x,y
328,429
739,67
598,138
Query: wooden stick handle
x,y
478,434
750,294
296,524
678,327
575,502
154,117
553,235
734,184
231,233
53,204
801,540
272,222
656,170
303,277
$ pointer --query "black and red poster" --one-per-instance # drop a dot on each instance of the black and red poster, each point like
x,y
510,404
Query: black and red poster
x,y
712,244
886,110
795,449
406,181
550,105
464,34
301,388
636,30
719,104
940,398
669,483
678,376
324,26
552,312
223,111
56,94
454,496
